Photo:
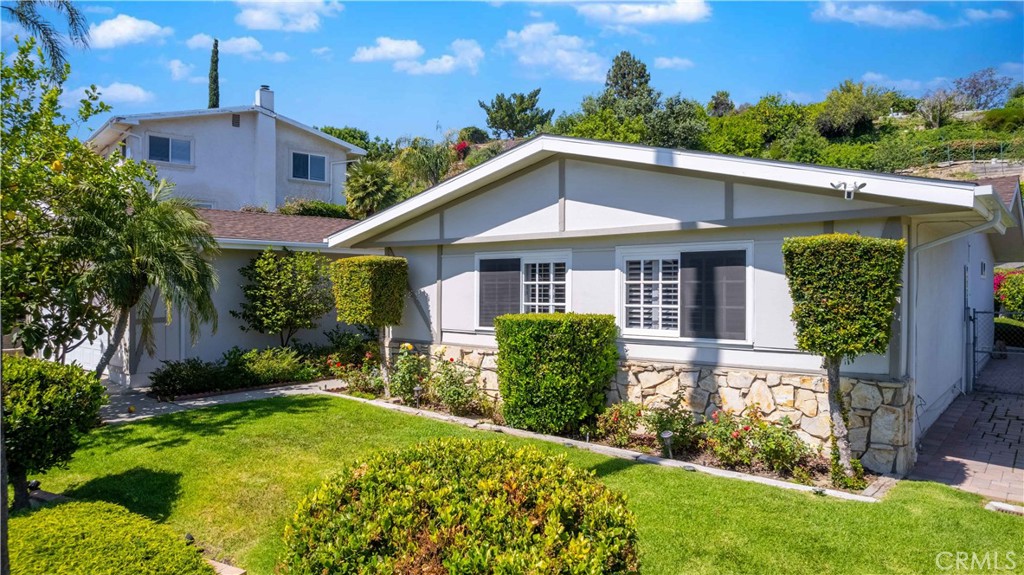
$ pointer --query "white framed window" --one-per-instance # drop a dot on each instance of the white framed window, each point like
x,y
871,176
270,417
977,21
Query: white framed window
x,y
169,150
692,292
521,282
310,167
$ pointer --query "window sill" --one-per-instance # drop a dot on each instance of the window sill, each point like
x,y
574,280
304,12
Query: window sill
x,y
308,182
677,341
162,165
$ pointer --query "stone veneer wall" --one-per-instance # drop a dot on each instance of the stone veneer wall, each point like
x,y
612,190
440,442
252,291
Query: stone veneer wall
x,y
880,412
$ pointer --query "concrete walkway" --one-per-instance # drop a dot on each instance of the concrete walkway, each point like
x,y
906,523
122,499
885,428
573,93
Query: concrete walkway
x,y
126,405
1004,375
976,446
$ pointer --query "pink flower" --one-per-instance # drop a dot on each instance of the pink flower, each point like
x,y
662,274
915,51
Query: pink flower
x,y
735,434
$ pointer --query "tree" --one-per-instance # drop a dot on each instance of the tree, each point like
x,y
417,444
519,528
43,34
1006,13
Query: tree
x,y
47,408
982,90
805,146
849,110
156,245
844,289
214,87
777,116
606,125
937,107
422,162
26,14
1016,91
473,135
376,148
678,123
286,292
628,87
720,104
517,115
371,187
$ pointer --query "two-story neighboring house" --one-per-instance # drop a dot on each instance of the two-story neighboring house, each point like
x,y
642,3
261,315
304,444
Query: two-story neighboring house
x,y
228,158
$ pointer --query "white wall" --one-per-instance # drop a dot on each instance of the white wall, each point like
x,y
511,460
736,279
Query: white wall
x,y
291,139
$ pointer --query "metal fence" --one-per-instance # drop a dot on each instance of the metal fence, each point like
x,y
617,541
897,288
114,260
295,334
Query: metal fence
x,y
998,344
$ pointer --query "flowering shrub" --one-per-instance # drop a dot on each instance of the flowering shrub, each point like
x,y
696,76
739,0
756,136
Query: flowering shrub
x,y
618,423
410,371
743,441
364,378
727,437
1009,292
461,149
453,384
675,417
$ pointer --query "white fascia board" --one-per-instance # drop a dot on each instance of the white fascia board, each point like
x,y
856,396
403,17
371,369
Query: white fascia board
x,y
353,149
240,244
988,202
942,192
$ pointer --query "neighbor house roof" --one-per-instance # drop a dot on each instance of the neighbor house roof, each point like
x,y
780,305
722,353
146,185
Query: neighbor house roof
x,y
112,129
1006,187
878,186
254,228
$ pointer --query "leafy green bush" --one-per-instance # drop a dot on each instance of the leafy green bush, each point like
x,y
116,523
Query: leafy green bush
x,y
370,290
411,370
1011,292
47,408
272,365
473,135
319,208
1009,331
236,369
553,368
618,423
723,436
98,538
481,155
192,375
461,506
678,419
1004,120
776,445
453,384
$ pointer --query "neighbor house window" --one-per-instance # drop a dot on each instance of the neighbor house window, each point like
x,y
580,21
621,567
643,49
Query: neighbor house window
x,y
309,167
537,283
689,294
172,150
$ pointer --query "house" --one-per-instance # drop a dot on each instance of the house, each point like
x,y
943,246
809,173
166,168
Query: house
x,y
241,237
229,158
684,248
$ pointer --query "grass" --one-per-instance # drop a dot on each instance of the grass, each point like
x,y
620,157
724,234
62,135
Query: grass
x,y
232,474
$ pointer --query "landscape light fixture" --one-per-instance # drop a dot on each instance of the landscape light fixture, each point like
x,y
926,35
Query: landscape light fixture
x,y
666,441
416,391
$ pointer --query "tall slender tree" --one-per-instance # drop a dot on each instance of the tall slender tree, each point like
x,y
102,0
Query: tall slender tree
x,y
214,76
26,14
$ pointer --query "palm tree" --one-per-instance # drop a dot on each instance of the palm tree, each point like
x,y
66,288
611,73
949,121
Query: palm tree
x,y
371,187
26,13
153,244
422,162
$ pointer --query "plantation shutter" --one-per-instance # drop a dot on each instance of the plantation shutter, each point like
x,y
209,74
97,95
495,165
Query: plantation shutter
x,y
499,289
714,294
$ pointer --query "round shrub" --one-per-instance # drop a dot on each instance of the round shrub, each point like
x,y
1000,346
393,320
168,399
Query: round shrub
x,y
80,538
47,408
462,506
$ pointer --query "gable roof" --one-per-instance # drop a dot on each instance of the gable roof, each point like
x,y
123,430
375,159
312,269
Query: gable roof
x,y
246,228
108,133
957,194
1006,187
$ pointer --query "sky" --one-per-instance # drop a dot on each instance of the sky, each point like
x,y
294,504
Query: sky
x,y
419,68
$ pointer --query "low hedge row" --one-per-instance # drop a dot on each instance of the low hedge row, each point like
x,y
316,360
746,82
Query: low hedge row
x,y
461,506
97,538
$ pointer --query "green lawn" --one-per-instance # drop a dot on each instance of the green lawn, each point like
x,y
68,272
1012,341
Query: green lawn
x,y
230,475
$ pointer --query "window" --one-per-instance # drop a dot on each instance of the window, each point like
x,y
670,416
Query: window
x,y
690,294
172,150
309,167
537,283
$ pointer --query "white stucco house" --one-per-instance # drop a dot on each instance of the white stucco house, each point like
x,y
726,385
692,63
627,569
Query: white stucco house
x,y
684,248
228,158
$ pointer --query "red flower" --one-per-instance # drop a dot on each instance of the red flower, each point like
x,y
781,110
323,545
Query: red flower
x,y
451,359
735,434
714,415
746,428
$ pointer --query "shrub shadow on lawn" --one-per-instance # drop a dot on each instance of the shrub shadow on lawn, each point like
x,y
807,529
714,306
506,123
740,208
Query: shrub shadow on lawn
x,y
613,465
145,491
178,429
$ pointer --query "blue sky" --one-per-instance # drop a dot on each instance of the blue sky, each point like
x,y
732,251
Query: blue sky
x,y
409,68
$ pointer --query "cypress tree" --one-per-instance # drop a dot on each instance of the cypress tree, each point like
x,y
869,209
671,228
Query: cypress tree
x,y
214,77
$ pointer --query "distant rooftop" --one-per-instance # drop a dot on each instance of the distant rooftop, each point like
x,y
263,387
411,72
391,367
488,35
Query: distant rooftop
x,y
272,228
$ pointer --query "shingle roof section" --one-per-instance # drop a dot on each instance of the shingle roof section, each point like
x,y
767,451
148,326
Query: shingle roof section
x,y
271,227
1006,187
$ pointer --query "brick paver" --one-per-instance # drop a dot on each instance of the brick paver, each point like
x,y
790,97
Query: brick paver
x,y
976,446
1004,375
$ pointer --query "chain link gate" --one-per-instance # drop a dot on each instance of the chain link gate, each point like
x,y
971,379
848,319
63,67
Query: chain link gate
x,y
998,337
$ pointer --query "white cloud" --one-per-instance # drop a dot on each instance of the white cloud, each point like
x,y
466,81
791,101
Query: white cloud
x,y
541,46
276,56
636,13
199,41
875,15
673,63
323,52
287,16
123,29
466,55
244,45
179,70
1013,69
975,15
116,93
98,10
388,49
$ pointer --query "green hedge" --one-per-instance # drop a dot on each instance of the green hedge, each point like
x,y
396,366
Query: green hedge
x,y
553,369
1009,331
319,208
370,290
236,369
461,506
844,288
79,538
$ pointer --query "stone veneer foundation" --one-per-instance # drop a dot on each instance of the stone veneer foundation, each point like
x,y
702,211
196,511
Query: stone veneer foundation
x,y
880,412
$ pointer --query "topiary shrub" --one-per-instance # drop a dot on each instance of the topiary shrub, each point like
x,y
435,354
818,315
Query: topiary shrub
x,y
461,506
553,368
79,538
370,290
47,408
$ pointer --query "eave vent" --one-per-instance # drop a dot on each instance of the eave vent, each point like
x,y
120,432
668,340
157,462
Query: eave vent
x,y
236,120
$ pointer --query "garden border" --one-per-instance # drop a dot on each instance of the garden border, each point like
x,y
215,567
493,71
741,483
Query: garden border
x,y
625,453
